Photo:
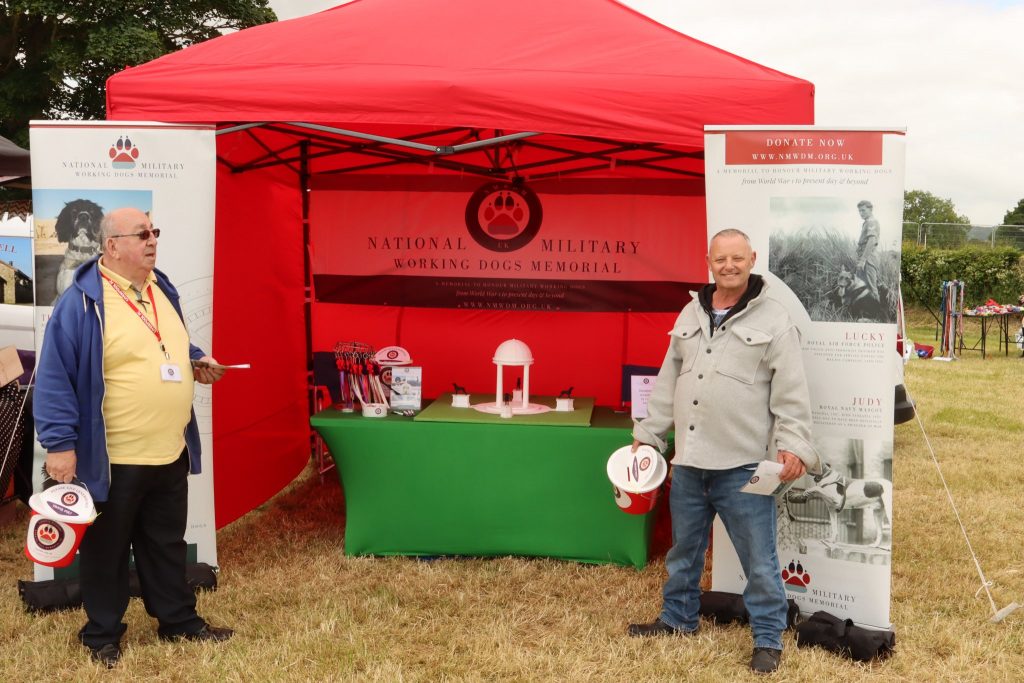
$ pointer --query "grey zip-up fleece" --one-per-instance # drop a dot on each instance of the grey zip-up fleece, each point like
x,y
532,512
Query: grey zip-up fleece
x,y
734,392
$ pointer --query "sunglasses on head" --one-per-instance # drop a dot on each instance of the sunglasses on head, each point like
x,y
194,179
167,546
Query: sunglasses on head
x,y
142,234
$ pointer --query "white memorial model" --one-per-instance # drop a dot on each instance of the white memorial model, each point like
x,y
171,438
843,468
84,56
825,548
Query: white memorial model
x,y
513,353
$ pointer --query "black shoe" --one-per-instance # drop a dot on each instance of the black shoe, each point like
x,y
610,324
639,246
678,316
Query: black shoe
x,y
765,660
108,655
656,628
213,634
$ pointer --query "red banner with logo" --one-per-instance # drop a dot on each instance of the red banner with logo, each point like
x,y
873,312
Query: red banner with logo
x,y
600,245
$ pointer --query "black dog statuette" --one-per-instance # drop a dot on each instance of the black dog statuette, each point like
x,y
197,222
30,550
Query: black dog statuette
x,y
458,389
567,393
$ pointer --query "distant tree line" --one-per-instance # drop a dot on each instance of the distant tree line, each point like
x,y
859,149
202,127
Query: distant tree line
x,y
989,273
934,221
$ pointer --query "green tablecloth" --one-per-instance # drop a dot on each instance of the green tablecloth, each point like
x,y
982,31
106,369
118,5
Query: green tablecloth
x,y
438,488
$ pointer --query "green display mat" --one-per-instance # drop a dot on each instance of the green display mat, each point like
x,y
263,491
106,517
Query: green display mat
x,y
441,411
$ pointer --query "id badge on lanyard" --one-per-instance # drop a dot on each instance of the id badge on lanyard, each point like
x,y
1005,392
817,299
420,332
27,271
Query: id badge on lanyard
x,y
170,372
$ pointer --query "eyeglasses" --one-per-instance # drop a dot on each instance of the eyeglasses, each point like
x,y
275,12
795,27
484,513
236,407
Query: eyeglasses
x,y
142,234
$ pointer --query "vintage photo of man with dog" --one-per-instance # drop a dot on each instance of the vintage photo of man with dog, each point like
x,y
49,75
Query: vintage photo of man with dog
x,y
839,258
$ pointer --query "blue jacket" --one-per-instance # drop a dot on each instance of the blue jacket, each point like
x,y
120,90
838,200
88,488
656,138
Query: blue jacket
x,y
68,400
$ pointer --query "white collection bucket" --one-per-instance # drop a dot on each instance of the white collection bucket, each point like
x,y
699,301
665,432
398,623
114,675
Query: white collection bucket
x,y
636,478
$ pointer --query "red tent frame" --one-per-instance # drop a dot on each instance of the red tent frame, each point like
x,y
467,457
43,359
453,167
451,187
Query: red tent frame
x,y
546,91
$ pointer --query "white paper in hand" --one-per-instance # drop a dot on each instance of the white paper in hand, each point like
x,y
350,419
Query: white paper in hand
x,y
218,366
765,480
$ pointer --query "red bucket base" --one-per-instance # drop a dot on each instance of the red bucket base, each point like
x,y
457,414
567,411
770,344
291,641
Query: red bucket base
x,y
52,543
636,503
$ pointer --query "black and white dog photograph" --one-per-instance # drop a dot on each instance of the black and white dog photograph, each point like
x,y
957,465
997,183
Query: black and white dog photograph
x,y
853,294
77,226
840,260
846,509
840,493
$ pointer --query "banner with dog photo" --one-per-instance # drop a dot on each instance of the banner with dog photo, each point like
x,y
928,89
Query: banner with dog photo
x,y
16,342
16,278
84,169
824,210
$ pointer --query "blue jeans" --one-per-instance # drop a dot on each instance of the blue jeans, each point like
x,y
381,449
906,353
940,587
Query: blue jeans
x,y
696,495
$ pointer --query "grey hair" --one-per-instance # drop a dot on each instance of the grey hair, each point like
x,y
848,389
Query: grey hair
x,y
106,226
731,232
866,203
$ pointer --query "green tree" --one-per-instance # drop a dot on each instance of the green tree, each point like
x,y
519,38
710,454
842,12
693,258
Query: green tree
x,y
56,55
950,229
924,207
1015,216
1011,232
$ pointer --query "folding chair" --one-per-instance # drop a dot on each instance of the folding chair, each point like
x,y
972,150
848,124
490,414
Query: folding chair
x,y
326,391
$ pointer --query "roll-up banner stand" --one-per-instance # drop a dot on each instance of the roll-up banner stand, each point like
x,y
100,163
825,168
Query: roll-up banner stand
x,y
16,342
824,209
83,169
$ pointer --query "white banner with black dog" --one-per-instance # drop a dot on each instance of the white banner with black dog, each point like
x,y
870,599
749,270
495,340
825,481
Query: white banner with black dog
x,y
824,210
84,169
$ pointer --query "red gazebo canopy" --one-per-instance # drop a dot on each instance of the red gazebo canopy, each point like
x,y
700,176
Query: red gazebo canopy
x,y
534,89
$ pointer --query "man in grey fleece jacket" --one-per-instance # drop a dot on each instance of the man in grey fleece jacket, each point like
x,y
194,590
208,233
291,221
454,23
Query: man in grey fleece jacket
x,y
733,385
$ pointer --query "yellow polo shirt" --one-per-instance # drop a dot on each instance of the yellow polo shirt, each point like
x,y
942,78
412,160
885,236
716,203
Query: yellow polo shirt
x,y
145,416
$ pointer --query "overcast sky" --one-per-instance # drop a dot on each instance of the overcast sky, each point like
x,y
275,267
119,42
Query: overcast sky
x,y
950,71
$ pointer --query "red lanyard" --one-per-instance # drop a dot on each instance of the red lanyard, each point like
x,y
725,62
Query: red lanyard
x,y
142,316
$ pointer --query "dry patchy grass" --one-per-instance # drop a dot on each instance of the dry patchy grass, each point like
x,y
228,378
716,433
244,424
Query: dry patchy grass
x,y
305,612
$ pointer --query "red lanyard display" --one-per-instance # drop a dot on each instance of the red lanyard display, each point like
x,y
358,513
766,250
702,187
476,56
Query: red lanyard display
x,y
142,316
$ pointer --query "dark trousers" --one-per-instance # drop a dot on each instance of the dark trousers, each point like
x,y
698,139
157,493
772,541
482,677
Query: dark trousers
x,y
147,511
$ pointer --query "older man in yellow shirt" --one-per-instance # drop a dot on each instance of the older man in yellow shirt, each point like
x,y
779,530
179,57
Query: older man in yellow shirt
x,y
113,406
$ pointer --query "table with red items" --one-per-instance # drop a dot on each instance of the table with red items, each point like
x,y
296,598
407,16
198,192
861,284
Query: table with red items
x,y
1001,314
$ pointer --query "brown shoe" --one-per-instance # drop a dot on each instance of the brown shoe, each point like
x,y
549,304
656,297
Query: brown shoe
x,y
213,634
656,628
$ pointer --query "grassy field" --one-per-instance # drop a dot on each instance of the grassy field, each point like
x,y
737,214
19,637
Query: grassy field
x,y
305,612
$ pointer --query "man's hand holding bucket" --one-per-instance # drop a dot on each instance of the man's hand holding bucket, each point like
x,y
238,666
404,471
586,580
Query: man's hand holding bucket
x,y
60,465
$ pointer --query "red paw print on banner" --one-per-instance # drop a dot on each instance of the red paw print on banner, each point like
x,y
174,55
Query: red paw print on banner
x,y
123,153
795,577
505,214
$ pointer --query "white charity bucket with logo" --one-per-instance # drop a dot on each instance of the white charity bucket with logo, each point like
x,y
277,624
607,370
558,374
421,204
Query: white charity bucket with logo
x,y
636,478
60,515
